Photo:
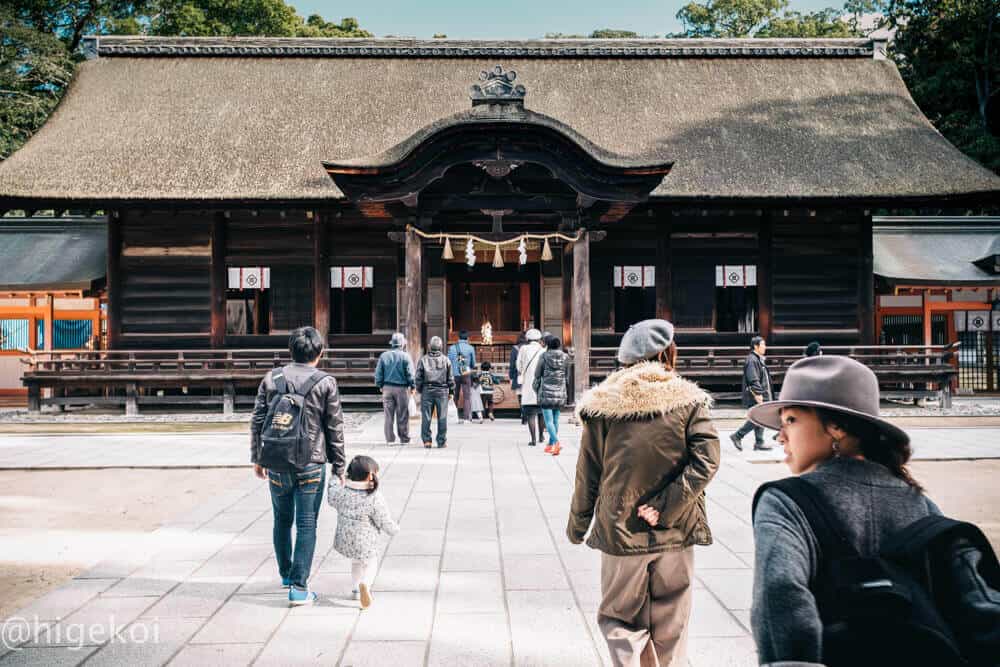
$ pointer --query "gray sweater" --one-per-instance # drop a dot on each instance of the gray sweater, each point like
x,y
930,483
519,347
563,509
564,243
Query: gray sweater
x,y
870,504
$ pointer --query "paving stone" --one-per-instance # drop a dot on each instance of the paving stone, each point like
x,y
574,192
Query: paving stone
x,y
470,640
199,655
710,619
548,629
307,640
470,593
48,656
147,641
715,557
734,588
463,555
408,573
193,599
244,618
534,572
94,623
417,543
382,653
156,579
64,600
396,616
722,652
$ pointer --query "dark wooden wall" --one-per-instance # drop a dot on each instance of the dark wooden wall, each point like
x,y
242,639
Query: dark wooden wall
x,y
166,298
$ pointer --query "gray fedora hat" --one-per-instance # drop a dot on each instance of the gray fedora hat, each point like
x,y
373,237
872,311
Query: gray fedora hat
x,y
836,383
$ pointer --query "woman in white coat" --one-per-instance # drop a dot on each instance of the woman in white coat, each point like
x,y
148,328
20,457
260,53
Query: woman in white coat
x,y
527,363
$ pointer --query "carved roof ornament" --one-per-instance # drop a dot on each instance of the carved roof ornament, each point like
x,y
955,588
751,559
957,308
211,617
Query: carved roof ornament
x,y
497,88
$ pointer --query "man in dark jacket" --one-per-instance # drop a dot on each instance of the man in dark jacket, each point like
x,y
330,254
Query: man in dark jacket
x,y
394,378
435,383
756,390
297,495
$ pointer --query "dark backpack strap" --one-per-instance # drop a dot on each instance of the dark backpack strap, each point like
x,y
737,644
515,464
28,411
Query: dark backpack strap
x,y
311,382
280,383
934,531
818,514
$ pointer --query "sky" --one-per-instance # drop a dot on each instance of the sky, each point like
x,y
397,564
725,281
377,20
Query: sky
x,y
512,19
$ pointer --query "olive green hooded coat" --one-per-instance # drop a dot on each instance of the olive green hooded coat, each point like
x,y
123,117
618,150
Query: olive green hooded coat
x,y
647,439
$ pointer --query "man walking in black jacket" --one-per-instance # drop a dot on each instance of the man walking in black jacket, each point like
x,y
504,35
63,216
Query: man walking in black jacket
x,y
756,389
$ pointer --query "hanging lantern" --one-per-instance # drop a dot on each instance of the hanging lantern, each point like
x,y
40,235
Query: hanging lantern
x,y
546,252
447,253
470,253
522,252
497,258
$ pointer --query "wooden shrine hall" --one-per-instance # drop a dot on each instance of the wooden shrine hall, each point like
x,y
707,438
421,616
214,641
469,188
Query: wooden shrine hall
x,y
367,186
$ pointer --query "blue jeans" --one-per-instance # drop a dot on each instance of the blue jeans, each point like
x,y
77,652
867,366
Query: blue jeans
x,y
551,417
429,400
296,498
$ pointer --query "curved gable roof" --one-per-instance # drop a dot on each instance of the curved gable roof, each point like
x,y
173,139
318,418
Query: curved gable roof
x,y
254,119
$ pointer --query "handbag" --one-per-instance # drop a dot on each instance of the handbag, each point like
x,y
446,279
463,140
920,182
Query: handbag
x,y
414,412
452,411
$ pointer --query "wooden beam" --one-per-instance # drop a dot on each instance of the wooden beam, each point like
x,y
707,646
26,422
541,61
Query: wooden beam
x,y
866,283
581,315
321,275
414,297
765,301
218,281
664,305
115,281
927,315
567,295
49,323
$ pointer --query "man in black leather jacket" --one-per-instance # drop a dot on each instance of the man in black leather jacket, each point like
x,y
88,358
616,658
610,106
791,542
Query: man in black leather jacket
x,y
756,389
296,496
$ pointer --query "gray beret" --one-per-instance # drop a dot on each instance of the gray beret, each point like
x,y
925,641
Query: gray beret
x,y
645,340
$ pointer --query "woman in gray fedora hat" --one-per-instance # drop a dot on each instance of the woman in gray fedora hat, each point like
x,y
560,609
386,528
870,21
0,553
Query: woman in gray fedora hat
x,y
854,463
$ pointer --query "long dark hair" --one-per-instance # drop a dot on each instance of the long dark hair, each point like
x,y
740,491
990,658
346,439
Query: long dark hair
x,y
875,446
360,467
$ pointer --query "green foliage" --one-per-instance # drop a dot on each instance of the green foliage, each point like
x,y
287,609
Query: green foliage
x,y
948,52
728,18
609,33
822,23
35,69
39,42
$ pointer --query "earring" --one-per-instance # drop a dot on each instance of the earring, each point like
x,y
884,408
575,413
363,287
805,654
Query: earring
x,y
836,447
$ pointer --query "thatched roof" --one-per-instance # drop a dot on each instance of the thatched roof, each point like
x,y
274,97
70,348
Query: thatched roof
x,y
192,119
936,251
52,254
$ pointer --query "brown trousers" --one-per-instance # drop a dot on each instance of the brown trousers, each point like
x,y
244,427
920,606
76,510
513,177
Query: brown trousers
x,y
646,607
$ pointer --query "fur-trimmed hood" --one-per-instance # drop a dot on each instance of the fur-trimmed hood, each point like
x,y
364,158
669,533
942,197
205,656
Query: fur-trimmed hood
x,y
644,390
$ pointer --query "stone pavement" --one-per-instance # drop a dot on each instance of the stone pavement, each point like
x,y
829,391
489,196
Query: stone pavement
x,y
480,574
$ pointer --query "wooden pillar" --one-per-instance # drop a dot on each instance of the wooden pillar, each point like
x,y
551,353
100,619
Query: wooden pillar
x,y
228,398
664,305
114,280
567,301
866,284
414,294
131,400
50,328
581,314
321,277
34,397
218,281
928,316
765,279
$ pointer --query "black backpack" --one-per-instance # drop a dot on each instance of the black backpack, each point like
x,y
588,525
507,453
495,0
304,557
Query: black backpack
x,y
899,607
284,440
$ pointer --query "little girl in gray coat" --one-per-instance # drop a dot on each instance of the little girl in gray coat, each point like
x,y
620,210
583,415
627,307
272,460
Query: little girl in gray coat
x,y
362,514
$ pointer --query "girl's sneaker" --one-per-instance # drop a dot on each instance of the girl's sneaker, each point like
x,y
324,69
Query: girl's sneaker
x,y
366,596
548,449
556,448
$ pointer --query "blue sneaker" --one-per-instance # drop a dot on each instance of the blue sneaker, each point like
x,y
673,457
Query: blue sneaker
x,y
286,582
299,598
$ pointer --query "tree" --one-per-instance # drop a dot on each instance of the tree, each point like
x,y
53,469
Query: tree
x,y
35,69
948,52
728,18
822,23
609,33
